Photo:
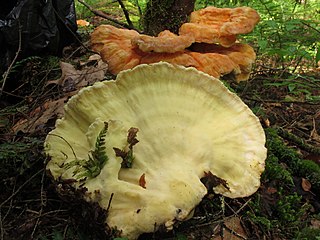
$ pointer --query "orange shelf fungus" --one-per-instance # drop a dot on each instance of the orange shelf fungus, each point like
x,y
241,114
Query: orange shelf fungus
x,y
115,48
220,25
195,46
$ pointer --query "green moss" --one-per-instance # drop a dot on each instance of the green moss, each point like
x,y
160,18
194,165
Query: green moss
x,y
297,166
277,207
275,171
308,234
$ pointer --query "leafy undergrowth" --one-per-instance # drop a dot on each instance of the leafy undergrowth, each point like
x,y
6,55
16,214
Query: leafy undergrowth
x,y
286,206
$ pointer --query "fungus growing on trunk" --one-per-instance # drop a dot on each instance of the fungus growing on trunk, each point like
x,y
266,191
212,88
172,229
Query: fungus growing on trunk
x,y
148,139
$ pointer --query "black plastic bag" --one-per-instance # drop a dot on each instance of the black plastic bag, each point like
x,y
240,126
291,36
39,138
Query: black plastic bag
x,y
39,26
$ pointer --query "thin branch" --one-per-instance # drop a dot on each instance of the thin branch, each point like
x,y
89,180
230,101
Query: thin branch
x,y
110,200
139,8
6,74
126,14
72,32
104,15
43,203
19,189
298,141
308,25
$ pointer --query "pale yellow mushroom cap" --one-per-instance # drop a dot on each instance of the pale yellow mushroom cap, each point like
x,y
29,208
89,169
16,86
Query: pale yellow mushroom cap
x,y
189,124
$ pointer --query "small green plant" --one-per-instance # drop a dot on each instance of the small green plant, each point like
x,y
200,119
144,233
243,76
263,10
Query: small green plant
x,y
92,167
298,86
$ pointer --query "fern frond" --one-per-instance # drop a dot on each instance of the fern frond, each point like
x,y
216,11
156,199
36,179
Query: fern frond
x,y
96,159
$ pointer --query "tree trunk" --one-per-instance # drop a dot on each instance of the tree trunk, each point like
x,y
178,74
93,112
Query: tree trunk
x,y
166,15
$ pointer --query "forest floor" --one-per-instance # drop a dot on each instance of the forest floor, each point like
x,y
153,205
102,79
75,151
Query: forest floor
x,y
286,206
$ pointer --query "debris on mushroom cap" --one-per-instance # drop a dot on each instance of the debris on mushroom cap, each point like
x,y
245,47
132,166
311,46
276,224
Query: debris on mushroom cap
x,y
220,25
242,56
186,125
166,41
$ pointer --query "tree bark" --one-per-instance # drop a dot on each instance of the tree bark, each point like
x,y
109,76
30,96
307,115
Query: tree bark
x,y
166,15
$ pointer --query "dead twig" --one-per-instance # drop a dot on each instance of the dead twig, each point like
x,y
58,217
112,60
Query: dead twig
x,y
43,204
126,14
139,8
72,32
21,187
104,15
298,141
6,74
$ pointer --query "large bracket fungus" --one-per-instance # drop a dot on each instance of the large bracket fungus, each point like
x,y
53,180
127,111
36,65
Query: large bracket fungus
x,y
148,138
207,43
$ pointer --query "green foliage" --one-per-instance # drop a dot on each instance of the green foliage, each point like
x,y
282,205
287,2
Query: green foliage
x,y
18,157
288,30
92,167
82,11
262,221
308,234
111,8
299,86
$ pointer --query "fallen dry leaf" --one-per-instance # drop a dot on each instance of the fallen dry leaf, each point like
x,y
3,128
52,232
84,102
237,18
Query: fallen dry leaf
x,y
232,230
305,184
40,116
314,134
266,122
271,190
315,223
73,80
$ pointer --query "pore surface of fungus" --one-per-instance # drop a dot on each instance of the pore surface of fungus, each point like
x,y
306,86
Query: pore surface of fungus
x,y
141,144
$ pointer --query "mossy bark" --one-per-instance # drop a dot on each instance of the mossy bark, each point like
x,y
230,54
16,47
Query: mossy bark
x,y
166,15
